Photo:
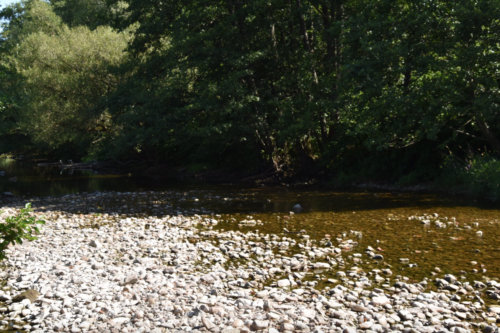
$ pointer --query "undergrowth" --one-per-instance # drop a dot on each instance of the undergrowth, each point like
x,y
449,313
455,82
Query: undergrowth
x,y
477,176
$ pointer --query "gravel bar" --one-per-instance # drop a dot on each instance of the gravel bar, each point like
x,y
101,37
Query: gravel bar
x,y
108,273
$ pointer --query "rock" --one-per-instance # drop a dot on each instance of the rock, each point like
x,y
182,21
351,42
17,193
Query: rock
x,y
97,265
151,300
95,243
268,305
359,308
157,330
16,307
494,309
349,330
262,324
489,329
450,278
494,296
85,325
332,304
139,314
230,330
321,265
457,329
286,326
238,323
130,279
378,257
380,300
366,325
217,310
301,326
273,316
479,285
30,294
339,314
119,320
284,283
207,323
308,313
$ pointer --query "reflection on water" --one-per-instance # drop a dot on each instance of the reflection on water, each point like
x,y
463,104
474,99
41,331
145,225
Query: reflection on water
x,y
32,180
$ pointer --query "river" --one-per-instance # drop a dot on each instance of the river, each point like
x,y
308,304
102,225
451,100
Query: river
x,y
461,237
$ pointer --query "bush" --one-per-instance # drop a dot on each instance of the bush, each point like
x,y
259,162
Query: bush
x,y
18,228
477,176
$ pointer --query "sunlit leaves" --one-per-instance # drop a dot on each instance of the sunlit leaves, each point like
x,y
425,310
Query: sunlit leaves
x,y
64,72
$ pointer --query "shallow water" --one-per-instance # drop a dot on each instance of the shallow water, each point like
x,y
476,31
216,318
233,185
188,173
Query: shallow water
x,y
380,220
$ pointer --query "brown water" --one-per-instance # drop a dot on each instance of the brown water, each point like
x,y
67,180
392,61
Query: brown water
x,y
380,220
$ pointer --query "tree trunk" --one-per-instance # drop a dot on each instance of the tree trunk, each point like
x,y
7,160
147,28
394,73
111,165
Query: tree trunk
x,y
305,38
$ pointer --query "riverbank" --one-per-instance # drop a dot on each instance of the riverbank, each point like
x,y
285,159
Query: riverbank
x,y
110,272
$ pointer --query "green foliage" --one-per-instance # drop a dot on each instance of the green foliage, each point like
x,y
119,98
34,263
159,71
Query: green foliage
x,y
241,76
24,18
90,13
477,176
423,70
355,89
18,228
61,73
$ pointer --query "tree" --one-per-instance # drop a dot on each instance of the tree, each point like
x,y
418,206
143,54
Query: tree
x,y
423,71
63,73
89,13
254,75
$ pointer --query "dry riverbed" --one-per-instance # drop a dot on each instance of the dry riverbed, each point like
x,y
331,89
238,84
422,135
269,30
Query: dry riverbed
x,y
110,272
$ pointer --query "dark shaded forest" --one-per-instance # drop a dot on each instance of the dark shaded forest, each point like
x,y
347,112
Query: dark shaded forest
x,y
399,91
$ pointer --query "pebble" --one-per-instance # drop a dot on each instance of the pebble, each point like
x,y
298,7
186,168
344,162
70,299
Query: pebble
x,y
261,324
207,323
166,274
359,308
95,243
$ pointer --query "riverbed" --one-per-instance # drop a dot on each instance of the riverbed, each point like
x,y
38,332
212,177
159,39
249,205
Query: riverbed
x,y
390,221
389,236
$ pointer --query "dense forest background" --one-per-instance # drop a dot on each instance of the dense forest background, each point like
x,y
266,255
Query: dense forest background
x,y
405,91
